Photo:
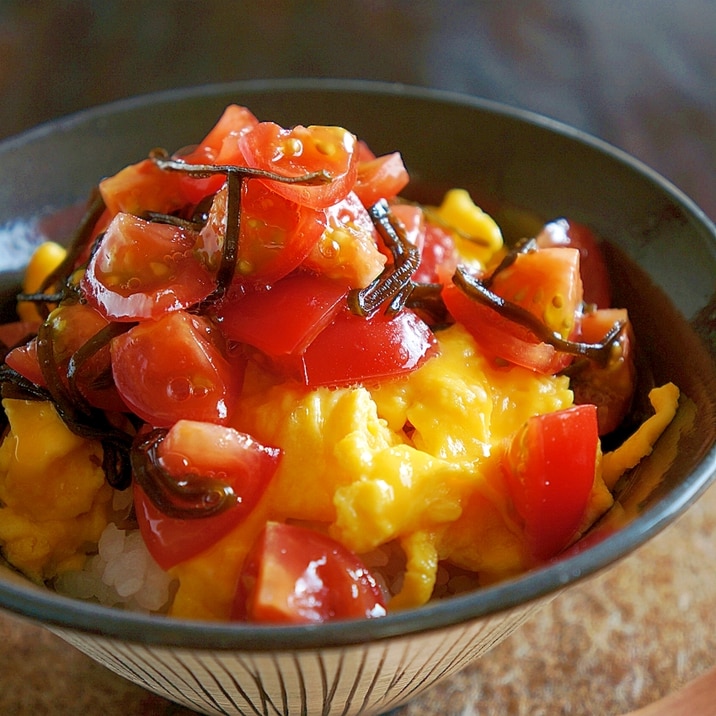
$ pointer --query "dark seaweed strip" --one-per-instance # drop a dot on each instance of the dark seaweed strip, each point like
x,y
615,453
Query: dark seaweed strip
x,y
50,372
187,224
230,249
426,298
476,289
15,385
60,275
521,247
202,171
393,286
193,498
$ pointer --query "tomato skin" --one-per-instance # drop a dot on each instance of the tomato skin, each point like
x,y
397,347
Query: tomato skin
x,y
381,177
71,325
174,368
549,469
547,283
294,575
141,270
285,317
276,233
412,219
204,450
353,349
438,257
19,349
610,387
595,277
24,360
302,150
221,144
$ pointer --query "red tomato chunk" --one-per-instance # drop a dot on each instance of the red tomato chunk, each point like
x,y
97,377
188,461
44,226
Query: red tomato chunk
x,y
174,368
193,450
297,576
143,269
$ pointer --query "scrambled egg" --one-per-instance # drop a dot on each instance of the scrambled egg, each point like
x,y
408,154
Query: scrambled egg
x,y
54,499
413,461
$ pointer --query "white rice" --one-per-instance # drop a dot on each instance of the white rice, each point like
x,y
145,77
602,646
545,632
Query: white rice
x,y
122,573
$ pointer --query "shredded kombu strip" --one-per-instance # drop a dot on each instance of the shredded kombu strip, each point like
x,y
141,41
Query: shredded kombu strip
x,y
15,385
187,497
80,357
77,246
394,284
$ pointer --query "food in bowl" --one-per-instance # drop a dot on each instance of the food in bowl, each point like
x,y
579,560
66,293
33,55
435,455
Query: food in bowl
x,y
261,386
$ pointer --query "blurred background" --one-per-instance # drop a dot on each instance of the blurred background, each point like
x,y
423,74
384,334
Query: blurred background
x,y
639,74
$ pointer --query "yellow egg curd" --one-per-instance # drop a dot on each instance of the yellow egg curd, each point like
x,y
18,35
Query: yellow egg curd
x,y
412,463
54,499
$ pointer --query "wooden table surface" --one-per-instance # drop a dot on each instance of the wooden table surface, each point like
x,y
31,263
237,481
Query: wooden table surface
x,y
641,75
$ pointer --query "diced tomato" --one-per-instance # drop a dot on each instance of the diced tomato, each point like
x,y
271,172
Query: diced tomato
x,y
438,259
348,247
287,316
412,219
595,277
174,368
546,283
610,387
276,234
500,337
550,469
364,152
220,146
191,451
294,575
142,269
353,349
71,326
380,178
143,187
23,359
302,150
16,333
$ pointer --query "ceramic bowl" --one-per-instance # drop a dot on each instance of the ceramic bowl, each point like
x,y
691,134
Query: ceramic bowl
x,y
662,254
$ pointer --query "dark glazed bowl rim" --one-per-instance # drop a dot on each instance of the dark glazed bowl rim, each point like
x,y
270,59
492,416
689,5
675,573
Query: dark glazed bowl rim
x,y
57,611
